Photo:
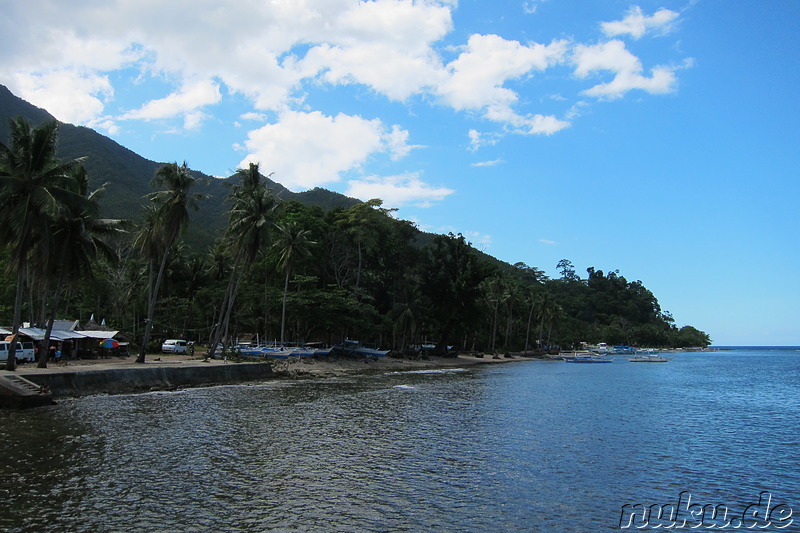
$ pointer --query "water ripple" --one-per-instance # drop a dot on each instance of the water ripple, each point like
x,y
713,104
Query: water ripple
x,y
523,447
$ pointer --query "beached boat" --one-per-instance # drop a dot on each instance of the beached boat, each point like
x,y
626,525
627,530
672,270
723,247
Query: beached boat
x,y
622,350
351,347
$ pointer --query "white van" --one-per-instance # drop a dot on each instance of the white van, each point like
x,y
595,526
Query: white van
x,y
24,354
173,346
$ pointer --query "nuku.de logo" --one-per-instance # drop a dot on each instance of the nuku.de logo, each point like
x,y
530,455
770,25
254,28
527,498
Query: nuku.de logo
x,y
684,514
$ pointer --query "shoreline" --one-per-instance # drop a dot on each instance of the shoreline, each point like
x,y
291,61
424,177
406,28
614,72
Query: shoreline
x,y
76,378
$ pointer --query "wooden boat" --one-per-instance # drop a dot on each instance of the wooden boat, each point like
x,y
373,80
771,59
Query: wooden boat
x,y
650,358
584,357
351,347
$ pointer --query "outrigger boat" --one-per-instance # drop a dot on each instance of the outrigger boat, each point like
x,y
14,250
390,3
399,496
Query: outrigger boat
x,y
584,357
648,357
351,347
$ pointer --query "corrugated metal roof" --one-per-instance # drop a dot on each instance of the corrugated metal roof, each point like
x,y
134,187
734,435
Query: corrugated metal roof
x,y
98,334
37,334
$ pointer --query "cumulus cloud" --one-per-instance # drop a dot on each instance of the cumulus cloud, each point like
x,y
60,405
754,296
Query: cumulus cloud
x,y
310,149
636,24
81,98
183,102
477,76
613,56
397,191
397,143
270,56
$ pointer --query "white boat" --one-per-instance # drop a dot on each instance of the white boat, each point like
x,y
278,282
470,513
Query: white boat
x,y
648,357
584,357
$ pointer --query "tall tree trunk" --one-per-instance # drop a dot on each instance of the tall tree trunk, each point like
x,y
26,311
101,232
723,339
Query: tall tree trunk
x,y
229,310
151,306
508,325
494,324
45,347
11,362
221,324
528,332
358,272
283,310
50,321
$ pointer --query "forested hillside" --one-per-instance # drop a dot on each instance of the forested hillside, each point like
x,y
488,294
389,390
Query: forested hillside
x,y
256,259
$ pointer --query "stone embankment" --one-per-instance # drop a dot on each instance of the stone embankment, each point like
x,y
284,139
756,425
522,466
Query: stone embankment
x,y
115,376
169,372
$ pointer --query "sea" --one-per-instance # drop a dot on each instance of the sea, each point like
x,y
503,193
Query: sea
x,y
708,441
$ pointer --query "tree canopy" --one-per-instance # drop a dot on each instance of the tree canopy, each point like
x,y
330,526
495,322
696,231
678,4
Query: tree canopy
x,y
286,270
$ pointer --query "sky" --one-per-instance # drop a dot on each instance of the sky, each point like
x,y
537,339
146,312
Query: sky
x,y
659,139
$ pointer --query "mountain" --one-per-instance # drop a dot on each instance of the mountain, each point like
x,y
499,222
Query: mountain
x,y
128,174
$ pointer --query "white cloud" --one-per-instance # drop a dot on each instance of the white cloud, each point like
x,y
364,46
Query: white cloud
x,y
481,241
311,149
636,24
183,102
477,76
258,117
65,56
547,242
529,7
397,143
396,191
576,110
487,62
488,163
613,56
80,98
662,81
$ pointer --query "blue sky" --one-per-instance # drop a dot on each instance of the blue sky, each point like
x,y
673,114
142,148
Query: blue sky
x,y
657,138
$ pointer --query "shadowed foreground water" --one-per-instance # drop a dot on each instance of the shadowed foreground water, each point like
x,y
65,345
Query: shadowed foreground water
x,y
528,446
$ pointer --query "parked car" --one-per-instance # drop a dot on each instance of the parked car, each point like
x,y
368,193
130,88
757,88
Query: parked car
x,y
174,346
24,354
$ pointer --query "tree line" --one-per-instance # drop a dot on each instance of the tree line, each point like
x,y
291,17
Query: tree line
x,y
284,271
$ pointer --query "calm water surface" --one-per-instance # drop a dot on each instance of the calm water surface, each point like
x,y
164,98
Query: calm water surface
x,y
527,446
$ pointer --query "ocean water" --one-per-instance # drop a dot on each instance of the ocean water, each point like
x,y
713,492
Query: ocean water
x,y
525,446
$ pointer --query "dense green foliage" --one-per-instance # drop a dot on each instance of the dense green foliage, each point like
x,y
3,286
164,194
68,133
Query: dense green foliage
x,y
310,273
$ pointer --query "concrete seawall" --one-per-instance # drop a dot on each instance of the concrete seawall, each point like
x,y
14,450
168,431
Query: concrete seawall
x,y
129,380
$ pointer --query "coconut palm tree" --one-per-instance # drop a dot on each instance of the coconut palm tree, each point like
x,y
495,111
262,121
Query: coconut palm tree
x,y
252,207
78,237
549,311
34,185
494,293
292,242
169,219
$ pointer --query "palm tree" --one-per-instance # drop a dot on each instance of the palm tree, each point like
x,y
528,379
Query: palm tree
x,y
34,185
548,312
406,313
250,215
531,298
78,237
511,297
168,221
292,242
494,293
